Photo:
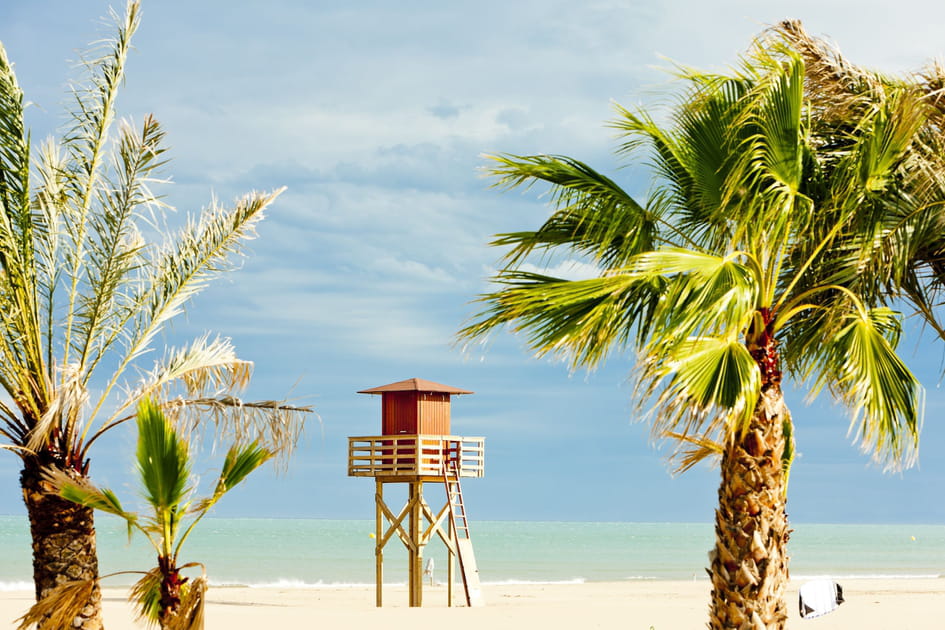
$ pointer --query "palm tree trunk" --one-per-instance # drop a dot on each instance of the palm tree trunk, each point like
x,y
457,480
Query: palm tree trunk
x,y
750,564
171,583
63,544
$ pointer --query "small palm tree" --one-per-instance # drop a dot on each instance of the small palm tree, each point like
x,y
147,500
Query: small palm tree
x,y
90,274
760,251
162,596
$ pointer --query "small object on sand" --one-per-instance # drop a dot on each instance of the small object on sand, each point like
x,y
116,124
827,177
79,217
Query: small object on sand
x,y
428,570
819,597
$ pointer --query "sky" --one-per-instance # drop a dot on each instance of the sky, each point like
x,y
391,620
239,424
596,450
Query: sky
x,y
376,116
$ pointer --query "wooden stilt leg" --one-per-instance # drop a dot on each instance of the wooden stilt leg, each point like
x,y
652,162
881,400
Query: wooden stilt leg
x,y
449,570
418,510
379,544
415,570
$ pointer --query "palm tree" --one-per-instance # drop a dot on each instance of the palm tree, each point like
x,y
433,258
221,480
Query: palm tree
x,y
162,595
760,251
89,274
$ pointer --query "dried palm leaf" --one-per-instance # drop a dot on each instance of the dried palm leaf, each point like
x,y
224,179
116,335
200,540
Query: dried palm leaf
x,y
60,608
686,458
190,615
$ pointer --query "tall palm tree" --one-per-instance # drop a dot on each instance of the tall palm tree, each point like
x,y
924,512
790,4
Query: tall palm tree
x,y
89,275
163,596
755,255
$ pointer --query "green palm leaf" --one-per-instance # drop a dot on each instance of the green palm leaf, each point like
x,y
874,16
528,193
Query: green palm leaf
x,y
594,216
82,491
240,461
582,320
704,294
51,205
145,594
778,143
20,345
704,386
163,460
860,364
892,130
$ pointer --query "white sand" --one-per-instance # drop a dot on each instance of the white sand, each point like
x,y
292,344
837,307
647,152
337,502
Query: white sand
x,y
870,605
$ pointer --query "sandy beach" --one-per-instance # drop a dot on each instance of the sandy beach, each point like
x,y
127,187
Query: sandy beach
x,y
874,604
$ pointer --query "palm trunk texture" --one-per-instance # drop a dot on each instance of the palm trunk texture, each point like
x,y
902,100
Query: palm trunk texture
x,y
171,583
63,544
750,564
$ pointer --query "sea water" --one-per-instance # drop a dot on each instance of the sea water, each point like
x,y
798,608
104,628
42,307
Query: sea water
x,y
311,553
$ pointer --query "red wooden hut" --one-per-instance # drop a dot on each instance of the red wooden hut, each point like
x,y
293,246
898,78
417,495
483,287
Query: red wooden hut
x,y
415,407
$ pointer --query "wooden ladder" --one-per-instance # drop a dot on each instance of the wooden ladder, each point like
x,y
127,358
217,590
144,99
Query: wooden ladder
x,y
459,527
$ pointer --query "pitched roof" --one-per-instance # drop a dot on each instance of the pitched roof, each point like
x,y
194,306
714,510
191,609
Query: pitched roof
x,y
415,385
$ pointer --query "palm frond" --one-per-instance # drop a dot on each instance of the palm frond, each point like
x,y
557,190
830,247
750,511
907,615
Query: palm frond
x,y
86,143
691,449
692,160
15,223
64,411
204,368
703,294
778,119
145,595
60,607
705,386
202,250
190,615
765,180
115,245
582,320
50,207
15,430
163,460
240,461
593,215
860,365
14,447
843,89
274,424
892,130
20,343
81,490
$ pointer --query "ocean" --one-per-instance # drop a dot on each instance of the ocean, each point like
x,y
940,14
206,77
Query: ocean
x,y
315,553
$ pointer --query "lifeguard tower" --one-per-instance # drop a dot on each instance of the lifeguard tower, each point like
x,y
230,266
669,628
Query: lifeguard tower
x,y
416,447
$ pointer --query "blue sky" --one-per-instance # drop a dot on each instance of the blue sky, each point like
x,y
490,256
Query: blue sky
x,y
375,115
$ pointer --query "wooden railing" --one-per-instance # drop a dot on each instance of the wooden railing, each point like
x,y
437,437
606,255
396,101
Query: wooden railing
x,y
414,455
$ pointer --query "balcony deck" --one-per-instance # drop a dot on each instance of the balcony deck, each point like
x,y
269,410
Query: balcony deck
x,y
414,457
